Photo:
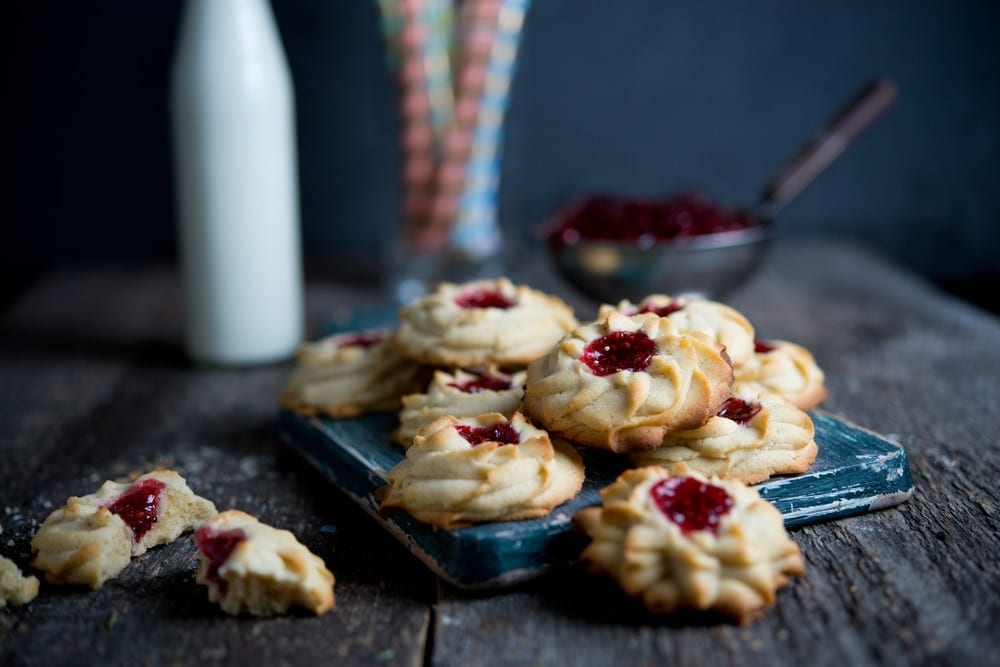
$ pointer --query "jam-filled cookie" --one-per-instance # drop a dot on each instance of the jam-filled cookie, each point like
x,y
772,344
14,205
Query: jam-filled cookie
x,y
678,539
462,394
622,382
484,468
786,369
750,439
251,567
690,313
349,374
481,322
92,538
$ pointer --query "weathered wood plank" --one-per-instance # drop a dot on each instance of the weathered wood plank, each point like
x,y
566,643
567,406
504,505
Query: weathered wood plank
x,y
93,384
97,391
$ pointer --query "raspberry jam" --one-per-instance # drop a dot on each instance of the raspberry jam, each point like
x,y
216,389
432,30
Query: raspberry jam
x,y
363,339
762,347
738,410
502,432
618,351
217,547
691,504
139,506
645,221
483,298
663,311
483,383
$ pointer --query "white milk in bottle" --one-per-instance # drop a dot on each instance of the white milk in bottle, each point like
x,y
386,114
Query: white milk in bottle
x,y
232,107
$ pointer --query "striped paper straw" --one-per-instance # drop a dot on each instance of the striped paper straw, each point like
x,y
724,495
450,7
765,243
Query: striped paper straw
x,y
452,115
414,46
475,231
438,17
468,179
472,51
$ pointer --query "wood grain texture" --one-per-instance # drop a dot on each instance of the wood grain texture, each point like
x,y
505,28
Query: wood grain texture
x,y
85,400
93,385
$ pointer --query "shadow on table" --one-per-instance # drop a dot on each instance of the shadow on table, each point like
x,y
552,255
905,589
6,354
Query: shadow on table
x,y
588,598
152,353
366,554
578,597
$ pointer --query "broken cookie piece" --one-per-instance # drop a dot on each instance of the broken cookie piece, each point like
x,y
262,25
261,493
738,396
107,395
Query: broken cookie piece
x,y
15,588
251,567
92,538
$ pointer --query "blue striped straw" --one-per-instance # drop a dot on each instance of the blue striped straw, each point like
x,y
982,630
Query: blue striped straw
x,y
438,17
476,233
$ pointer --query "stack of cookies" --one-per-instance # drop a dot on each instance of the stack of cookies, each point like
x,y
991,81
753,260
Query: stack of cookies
x,y
671,380
497,385
663,381
455,369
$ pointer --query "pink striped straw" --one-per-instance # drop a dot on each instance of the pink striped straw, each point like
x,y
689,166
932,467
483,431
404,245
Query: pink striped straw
x,y
477,24
419,145
452,114
490,49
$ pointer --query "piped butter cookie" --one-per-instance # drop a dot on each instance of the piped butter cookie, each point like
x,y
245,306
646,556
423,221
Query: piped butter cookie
x,y
690,313
678,539
622,382
483,468
349,374
482,322
786,369
92,538
461,394
750,439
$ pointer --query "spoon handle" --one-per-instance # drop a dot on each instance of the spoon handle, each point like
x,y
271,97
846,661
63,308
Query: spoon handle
x,y
836,136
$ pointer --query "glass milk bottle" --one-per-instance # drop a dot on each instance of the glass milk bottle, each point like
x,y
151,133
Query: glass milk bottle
x,y
233,120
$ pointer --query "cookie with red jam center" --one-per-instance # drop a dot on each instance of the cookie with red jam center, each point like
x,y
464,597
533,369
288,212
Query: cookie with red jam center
x,y
677,539
462,394
786,369
724,324
349,374
623,382
251,567
484,468
753,437
92,538
482,322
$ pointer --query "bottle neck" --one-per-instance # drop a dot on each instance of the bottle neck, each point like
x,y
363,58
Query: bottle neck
x,y
211,30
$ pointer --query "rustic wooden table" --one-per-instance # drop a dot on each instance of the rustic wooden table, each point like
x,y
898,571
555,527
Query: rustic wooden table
x,y
94,385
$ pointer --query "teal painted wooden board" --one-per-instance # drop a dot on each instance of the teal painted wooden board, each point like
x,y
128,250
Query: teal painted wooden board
x,y
856,471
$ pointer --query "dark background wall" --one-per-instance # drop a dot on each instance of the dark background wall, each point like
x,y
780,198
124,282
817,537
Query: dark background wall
x,y
634,96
